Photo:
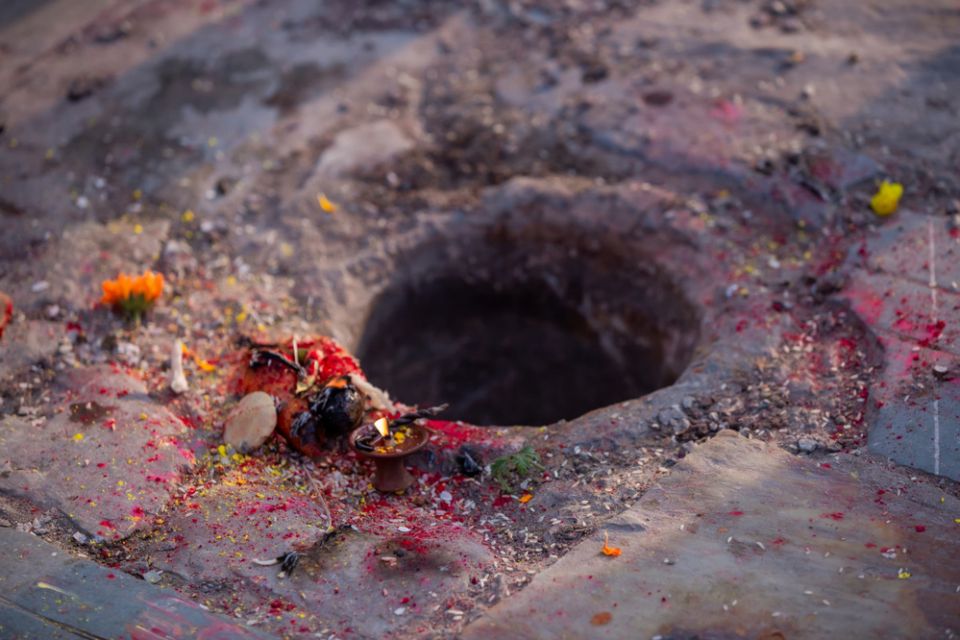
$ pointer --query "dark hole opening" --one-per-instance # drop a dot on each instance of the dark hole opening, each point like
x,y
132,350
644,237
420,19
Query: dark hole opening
x,y
516,345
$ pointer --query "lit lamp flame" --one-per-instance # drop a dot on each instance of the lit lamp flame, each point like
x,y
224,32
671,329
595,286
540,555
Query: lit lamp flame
x,y
383,427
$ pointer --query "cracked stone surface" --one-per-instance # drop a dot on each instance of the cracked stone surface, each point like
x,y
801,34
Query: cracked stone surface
x,y
904,285
757,543
220,533
57,596
108,461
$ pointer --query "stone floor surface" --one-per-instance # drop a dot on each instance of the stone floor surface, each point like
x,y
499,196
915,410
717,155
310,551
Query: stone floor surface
x,y
52,595
745,540
283,163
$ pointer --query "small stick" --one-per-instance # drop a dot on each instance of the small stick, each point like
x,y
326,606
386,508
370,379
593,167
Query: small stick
x,y
178,381
268,563
288,562
318,489
413,416
248,342
259,355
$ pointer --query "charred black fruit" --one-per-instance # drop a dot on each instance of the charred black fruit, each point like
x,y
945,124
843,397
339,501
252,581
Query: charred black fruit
x,y
470,462
332,412
338,407
304,428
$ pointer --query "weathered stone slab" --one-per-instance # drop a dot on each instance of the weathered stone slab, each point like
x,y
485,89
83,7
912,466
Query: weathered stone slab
x,y
840,168
378,584
905,308
27,342
218,534
70,270
915,413
744,540
364,147
392,573
109,460
914,246
18,624
46,593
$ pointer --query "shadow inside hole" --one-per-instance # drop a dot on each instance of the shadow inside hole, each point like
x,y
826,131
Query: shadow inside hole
x,y
528,350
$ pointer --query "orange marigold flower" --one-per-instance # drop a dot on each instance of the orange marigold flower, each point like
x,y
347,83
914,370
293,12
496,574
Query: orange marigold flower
x,y
607,549
149,285
114,291
132,295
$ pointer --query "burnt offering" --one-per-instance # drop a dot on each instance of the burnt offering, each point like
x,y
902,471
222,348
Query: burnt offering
x,y
311,379
388,443
336,409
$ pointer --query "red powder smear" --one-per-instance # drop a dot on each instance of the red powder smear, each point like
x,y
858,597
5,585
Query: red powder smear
x,y
736,513
836,515
955,232
7,314
279,606
920,528
111,576
867,303
847,343
726,112
502,500
106,524
420,538
454,434
741,326
904,324
825,465
933,332
870,545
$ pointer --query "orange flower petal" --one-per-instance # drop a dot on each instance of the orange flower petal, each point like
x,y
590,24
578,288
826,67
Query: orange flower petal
x,y
203,364
607,549
149,285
